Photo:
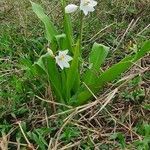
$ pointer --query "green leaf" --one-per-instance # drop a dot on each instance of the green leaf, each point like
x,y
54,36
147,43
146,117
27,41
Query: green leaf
x,y
73,73
38,139
112,73
147,107
50,29
62,41
145,49
63,45
39,65
41,137
68,27
96,59
122,66
120,138
47,66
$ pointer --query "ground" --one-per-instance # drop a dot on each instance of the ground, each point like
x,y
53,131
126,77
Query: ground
x,y
29,119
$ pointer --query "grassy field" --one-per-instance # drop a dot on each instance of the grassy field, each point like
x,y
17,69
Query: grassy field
x,y
30,119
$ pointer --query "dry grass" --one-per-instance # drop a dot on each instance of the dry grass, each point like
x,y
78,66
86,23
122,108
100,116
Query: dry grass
x,y
98,120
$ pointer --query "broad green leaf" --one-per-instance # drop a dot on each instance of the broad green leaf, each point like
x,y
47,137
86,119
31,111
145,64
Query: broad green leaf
x,y
122,66
48,66
96,59
145,49
50,29
73,72
53,74
63,79
40,65
112,73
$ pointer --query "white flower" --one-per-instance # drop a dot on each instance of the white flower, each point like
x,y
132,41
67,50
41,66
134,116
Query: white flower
x,y
85,5
71,8
62,59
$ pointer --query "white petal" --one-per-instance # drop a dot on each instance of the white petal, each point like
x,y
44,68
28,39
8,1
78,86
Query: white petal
x,y
85,12
68,58
63,52
65,64
87,6
90,8
93,3
60,64
57,59
60,53
84,9
87,9
71,8
62,59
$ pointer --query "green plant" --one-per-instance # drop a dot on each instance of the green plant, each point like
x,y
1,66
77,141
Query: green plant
x,y
120,138
69,84
136,94
143,130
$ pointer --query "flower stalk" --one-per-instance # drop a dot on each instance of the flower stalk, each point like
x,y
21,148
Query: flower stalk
x,y
81,31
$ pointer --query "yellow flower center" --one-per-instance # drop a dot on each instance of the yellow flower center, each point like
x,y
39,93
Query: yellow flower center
x,y
86,2
62,58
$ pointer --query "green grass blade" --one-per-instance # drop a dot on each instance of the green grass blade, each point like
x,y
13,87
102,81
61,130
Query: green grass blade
x,y
73,73
68,27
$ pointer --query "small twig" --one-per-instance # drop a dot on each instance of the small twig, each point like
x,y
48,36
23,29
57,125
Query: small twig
x,y
125,33
100,32
144,29
15,143
50,143
113,117
68,146
59,132
46,118
52,102
110,96
130,124
90,90
19,123
83,127
25,137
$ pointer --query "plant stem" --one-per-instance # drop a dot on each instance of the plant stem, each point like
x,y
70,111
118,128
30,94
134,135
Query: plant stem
x,y
81,31
68,27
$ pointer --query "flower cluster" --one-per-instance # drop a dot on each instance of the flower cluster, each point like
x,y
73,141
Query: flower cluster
x,y
85,5
62,59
